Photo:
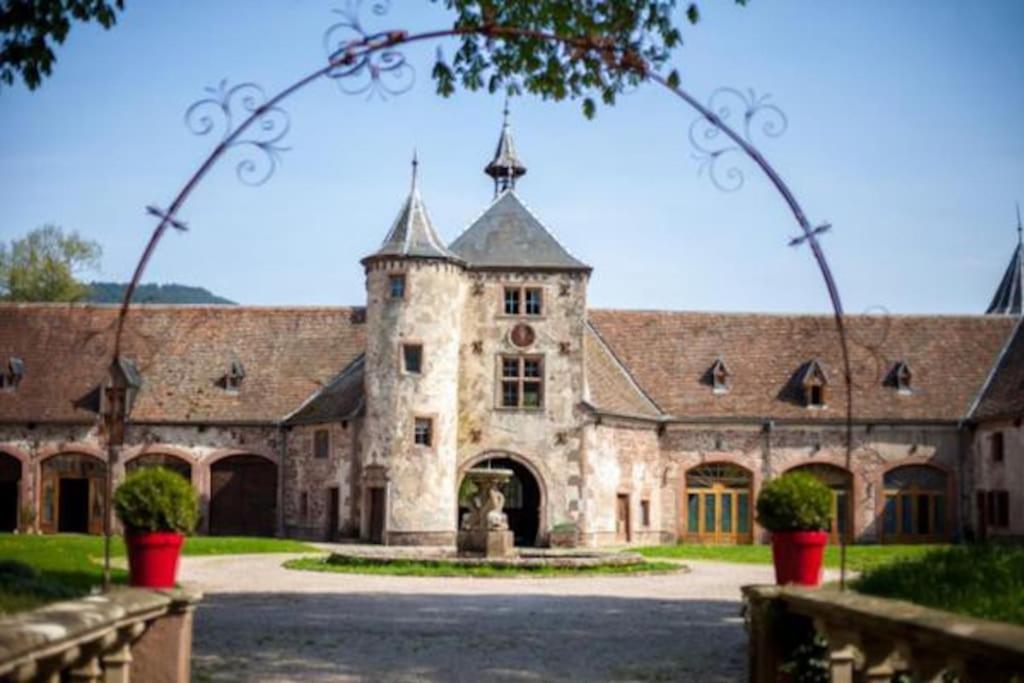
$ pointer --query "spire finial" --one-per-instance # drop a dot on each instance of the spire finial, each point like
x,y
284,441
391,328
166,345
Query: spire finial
x,y
1020,228
505,168
415,169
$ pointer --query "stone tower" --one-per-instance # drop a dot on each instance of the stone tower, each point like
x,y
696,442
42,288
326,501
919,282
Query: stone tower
x,y
414,297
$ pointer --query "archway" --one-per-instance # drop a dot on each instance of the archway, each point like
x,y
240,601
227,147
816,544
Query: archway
x,y
173,463
72,487
840,481
522,498
718,504
10,488
916,505
243,496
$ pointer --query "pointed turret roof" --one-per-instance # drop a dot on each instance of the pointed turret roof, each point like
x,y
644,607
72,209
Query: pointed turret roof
x,y
412,233
505,167
507,235
1007,299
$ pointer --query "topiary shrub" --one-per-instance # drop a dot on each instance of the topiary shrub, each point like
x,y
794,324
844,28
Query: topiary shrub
x,y
156,499
797,501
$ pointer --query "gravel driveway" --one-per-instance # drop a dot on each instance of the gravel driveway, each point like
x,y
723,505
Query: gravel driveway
x,y
261,622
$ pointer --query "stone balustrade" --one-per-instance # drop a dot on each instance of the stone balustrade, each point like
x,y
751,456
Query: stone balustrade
x,y
130,633
874,639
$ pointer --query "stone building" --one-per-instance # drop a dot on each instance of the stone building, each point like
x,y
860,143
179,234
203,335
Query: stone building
x,y
621,426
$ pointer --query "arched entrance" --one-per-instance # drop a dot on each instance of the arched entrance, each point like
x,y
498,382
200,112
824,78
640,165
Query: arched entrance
x,y
243,496
522,498
718,504
916,508
170,462
840,482
10,487
72,487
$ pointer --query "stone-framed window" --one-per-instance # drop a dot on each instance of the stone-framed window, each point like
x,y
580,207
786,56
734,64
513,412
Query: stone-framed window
x,y
412,358
423,432
321,443
997,446
998,509
396,286
814,383
518,300
522,382
719,375
645,513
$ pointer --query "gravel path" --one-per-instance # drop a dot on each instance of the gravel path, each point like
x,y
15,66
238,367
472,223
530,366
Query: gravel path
x,y
261,622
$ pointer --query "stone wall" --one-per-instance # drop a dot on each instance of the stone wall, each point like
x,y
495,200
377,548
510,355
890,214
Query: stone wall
x,y
309,480
421,491
200,446
768,451
988,474
622,458
547,440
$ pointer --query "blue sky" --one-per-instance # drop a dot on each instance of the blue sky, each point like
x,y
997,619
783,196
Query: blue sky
x,y
904,131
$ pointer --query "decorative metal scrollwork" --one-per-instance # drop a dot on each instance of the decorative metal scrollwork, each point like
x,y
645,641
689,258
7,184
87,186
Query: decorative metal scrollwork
x,y
711,145
262,139
381,73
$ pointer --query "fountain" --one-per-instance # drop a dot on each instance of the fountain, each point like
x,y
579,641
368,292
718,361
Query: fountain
x,y
484,529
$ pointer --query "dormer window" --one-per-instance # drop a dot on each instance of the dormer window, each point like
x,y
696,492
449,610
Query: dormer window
x,y
235,375
11,376
902,377
814,382
719,375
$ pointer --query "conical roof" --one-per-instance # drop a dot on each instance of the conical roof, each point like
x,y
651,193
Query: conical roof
x,y
412,234
1007,299
507,235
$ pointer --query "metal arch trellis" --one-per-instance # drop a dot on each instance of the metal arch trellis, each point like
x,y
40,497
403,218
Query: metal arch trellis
x,y
375,57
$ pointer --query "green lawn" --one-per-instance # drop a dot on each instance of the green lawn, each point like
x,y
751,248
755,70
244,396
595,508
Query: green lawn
x,y
354,565
69,565
858,557
984,581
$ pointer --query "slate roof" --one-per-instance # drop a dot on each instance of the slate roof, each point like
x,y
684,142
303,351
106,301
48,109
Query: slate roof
x,y
1004,395
182,354
508,236
1007,299
506,163
668,353
412,234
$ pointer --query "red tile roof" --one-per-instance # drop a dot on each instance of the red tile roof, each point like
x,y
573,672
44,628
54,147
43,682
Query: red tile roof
x,y
669,354
1004,395
182,353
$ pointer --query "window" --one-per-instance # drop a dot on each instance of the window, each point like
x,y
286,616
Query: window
x,y
813,381
396,286
998,447
522,382
512,301
645,512
235,375
523,301
815,396
719,373
902,377
304,505
915,508
14,371
997,509
412,358
423,431
321,443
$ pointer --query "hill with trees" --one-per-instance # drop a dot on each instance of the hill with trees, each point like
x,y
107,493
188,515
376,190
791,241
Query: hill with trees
x,y
152,293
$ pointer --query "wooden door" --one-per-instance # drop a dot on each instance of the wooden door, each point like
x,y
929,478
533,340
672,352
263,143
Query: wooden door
x,y
622,529
10,484
333,503
718,514
243,497
377,515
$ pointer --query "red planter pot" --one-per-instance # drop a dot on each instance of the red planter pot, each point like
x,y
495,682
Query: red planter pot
x,y
153,558
797,556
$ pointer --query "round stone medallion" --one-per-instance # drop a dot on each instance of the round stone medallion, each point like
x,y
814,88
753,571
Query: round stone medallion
x,y
522,335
